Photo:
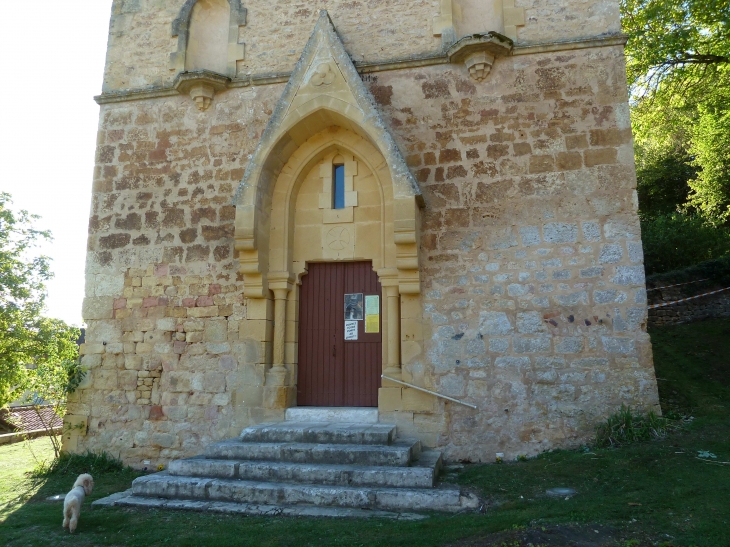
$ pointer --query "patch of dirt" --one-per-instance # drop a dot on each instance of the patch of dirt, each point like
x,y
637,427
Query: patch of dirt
x,y
589,535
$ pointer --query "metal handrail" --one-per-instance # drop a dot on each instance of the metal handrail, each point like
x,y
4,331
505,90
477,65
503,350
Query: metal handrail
x,y
384,377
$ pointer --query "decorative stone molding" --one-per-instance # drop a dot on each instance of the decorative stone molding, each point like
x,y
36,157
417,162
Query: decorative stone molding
x,y
323,76
443,24
302,111
181,31
201,85
479,51
364,68
513,17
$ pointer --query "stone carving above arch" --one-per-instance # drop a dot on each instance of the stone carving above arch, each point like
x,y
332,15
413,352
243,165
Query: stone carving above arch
x,y
181,31
324,90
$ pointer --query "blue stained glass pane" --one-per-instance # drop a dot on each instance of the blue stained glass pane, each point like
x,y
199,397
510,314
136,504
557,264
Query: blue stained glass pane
x,y
338,192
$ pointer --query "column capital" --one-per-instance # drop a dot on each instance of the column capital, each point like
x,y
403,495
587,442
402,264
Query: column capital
x,y
281,281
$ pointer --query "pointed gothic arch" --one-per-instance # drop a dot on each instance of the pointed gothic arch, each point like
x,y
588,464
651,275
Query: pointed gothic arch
x,y
324,90
324,109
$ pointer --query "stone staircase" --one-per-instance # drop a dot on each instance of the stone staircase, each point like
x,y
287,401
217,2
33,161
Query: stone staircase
x,y
319,462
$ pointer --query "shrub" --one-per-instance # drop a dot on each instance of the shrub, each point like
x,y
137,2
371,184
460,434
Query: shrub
x,y
74,464
715,271
675,241
624,427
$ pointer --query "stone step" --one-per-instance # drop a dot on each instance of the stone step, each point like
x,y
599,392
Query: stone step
x,y
422,474
126,499
398,454
360,415
320,433
163,485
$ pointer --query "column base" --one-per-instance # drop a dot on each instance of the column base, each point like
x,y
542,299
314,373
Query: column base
x,y
277,376
279,397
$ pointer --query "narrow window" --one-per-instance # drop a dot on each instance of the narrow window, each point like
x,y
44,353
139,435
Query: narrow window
x,y
338,187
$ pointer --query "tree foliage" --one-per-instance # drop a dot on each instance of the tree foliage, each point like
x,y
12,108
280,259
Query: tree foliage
x,y
678,63
676,46
27,338
675,241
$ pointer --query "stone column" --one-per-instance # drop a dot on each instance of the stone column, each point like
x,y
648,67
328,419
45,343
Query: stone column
x,y
278,368
393,367
280,284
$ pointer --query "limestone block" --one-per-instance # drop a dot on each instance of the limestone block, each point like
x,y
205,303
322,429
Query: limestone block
x,y
194,325
115,348
86,381
221,399
390,399
105,379
214,382
279,397
258,308
218,348
418,401
143,347
104,331
176,381
109,285
128,380
410,351
216,331
166,324
90,361
206,311
91,349
256,329
97,308
194,337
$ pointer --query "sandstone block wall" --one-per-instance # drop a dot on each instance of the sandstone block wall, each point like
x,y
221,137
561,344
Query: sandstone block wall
x,y
534,291
532,304
140,36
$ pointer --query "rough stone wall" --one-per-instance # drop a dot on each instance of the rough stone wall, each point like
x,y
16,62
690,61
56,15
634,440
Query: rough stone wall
x,y
571,20
534,298
533,285
164,303
705,307
140,40
276,32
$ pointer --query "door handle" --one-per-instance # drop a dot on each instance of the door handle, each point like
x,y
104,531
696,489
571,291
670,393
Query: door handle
x,y
334,350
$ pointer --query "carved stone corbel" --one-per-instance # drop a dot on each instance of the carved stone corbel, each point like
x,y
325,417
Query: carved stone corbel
x,y
201,85
478,52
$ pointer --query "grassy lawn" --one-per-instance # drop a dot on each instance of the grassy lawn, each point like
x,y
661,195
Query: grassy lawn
x,y
652,493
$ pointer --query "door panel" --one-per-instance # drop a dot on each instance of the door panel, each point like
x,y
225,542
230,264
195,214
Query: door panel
x,y
334,371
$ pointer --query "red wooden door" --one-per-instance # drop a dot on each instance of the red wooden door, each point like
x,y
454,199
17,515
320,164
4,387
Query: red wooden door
x,y
334,371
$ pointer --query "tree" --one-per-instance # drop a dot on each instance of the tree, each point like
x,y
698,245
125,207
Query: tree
x,y
678,66
676,46
51,382
28,340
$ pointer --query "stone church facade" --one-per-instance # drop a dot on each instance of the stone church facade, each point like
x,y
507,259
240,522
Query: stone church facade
x,y
426,207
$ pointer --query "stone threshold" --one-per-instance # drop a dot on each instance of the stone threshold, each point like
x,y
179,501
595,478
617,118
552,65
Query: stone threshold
x,y
126,499
441,58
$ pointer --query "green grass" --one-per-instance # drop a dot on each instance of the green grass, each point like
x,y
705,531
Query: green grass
x,y
647,493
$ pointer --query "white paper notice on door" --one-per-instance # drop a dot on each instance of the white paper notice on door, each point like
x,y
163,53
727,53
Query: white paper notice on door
x,y
351,330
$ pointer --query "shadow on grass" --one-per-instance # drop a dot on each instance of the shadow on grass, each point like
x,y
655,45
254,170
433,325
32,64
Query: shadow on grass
x,y
651,493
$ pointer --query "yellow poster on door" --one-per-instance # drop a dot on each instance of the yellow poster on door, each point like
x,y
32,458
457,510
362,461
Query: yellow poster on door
x,y
372,314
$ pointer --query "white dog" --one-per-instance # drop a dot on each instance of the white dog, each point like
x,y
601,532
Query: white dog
x,y
72,504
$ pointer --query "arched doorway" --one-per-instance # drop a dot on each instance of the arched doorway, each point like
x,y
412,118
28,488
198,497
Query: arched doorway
x,y
286,218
